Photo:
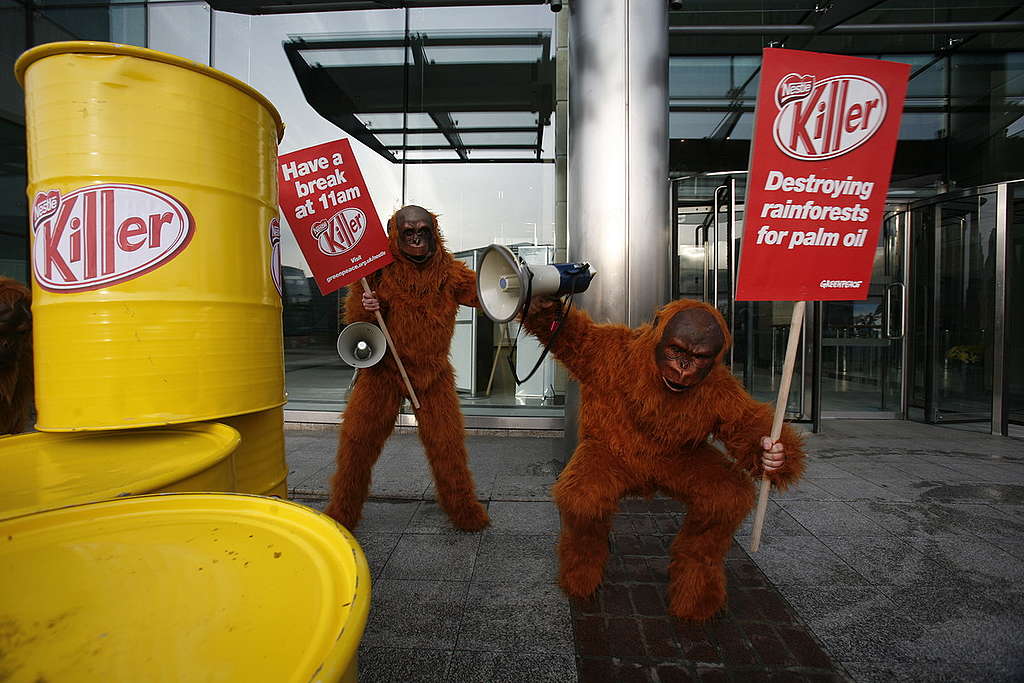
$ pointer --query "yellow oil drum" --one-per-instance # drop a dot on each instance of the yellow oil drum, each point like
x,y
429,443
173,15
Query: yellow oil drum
x,y
181,587
154,223
44,471
260,465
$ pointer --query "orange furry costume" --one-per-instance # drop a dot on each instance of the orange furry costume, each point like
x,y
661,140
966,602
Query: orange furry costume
x,y
15,355
636,437
418,301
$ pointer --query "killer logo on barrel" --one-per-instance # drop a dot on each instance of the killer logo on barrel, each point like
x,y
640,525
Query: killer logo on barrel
x,y
102,235
341,232
827,118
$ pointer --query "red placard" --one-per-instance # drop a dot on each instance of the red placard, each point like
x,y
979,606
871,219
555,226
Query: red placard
x,y
331,214
825,132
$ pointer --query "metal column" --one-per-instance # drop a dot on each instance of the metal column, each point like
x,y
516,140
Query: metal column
x,y
618,155
618,216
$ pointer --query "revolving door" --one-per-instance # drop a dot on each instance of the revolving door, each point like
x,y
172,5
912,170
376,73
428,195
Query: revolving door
x,y
932,342
851,357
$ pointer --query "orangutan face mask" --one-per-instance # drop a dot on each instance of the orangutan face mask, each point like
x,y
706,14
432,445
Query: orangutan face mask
x,y
688,349
415,234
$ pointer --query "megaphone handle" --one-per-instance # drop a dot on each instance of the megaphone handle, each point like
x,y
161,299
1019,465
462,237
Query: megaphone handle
x,y
394,352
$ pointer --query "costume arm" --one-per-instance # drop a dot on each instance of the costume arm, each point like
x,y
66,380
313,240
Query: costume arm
x,y
354,311
464,285
577,341
744,422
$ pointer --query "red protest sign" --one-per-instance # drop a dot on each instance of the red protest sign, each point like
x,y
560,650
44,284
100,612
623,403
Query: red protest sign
x,y
331,214
825,134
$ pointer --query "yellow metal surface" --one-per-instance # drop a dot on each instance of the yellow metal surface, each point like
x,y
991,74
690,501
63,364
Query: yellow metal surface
x,y
279,489
181,588
259,460
195,335
44,471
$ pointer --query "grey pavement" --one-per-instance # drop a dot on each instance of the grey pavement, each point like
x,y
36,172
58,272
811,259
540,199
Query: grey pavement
x,y
901,550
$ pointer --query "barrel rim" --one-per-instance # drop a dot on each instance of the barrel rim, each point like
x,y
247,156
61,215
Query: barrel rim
x,y
39,52
225,441
342,652
152,423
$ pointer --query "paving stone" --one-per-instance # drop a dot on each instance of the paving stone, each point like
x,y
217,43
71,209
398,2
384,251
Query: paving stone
x,y
886,561
526,487
387,664
803,560
387,515
525,518
415,614
433,557
513,558
511,667
832,518
378,548
519,617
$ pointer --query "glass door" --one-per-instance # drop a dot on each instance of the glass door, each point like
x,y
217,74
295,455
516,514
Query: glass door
x,y
954,273
708,233
861,370
860,360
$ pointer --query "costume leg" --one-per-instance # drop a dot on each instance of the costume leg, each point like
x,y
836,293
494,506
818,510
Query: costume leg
x,y
443,436
587,494
368,421
717,498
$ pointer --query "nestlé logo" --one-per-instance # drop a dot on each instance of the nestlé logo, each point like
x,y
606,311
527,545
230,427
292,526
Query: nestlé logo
x,y
101,235
827,118
339,233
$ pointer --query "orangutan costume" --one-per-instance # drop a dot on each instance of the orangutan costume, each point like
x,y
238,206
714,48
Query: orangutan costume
x,y
650,398
15,356
419,294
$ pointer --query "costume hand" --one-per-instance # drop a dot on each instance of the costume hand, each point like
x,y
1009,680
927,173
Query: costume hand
x,y
773,454
370,301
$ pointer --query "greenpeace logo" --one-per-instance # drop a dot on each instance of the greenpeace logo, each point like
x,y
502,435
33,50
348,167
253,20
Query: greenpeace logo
x,y
840,284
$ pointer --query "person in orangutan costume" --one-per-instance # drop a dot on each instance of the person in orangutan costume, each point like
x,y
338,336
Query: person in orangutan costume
x,y
418,295
650,399
16,378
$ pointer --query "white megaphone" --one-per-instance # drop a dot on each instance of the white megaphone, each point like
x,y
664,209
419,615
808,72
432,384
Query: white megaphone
x,y
505,285
361,344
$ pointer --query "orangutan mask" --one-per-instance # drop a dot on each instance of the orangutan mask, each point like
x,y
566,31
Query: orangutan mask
x,y
688,349
415,233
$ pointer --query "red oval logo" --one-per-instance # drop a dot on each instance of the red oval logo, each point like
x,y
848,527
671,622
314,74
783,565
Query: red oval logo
x,y
828,118
101,235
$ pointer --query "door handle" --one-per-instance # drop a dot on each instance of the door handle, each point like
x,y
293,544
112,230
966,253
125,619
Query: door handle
x,y
886,326
714,248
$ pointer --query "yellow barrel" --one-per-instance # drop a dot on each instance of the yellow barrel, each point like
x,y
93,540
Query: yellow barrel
x,y
153,191
43,471
259,460
181,587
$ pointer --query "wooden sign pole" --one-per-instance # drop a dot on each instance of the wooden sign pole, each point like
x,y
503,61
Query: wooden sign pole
x,y
780,413
394,352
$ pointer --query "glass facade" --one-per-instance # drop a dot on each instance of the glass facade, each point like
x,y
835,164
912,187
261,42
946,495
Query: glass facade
x,y
454,108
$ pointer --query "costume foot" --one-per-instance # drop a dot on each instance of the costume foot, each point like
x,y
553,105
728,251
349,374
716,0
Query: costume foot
x,y
469,517
696,590
581,580
346,518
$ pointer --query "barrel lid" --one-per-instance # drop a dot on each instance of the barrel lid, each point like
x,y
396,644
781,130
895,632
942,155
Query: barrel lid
x,y
44,471
34,54
181,587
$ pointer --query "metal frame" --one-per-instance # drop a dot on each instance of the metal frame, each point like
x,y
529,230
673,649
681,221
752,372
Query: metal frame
x,y
409,420
1001,345
525,87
